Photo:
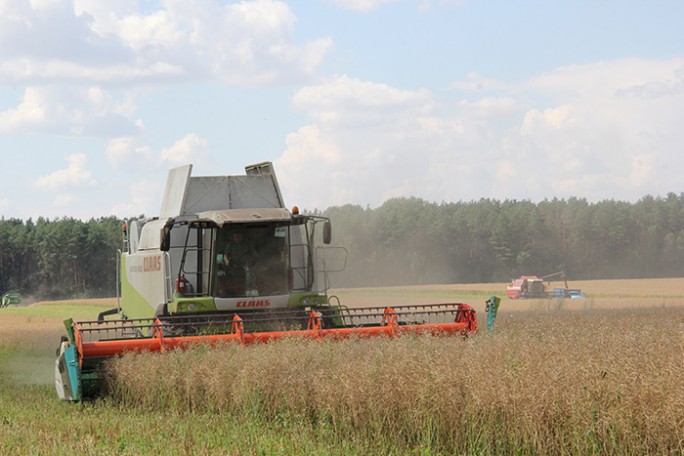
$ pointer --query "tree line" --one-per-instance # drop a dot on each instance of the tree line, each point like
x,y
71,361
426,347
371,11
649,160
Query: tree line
x,y
412,241
404,241
62,258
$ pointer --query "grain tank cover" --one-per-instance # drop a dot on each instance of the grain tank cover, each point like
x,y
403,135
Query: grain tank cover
x,y
253,196
186,195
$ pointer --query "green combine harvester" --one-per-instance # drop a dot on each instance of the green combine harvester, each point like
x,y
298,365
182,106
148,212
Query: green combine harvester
x,y
10,298
226,261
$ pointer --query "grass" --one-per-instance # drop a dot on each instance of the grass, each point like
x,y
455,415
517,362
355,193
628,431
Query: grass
x,y
604,378
80,310
538,386
32,422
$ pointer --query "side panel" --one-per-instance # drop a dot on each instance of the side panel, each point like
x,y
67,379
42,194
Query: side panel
x,y
142,283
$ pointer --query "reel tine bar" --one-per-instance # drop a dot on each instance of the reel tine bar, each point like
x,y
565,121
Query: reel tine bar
x,y
114,337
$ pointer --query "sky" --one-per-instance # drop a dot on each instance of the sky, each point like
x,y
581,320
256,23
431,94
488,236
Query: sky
x,y
354,101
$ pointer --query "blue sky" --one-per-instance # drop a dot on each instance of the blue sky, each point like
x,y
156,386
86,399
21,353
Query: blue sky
x,y
355,101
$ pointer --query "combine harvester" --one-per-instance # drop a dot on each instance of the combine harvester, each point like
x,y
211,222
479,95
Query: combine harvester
x,y
532,287
11,298
225,261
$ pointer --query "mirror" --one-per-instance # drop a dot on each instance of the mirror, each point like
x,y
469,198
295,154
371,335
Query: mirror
x,y
166,239
327,232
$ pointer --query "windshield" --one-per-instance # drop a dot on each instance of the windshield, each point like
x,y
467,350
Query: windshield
x,y
251,260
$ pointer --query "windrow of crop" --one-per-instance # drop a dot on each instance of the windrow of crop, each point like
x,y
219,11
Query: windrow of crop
x,y
543,383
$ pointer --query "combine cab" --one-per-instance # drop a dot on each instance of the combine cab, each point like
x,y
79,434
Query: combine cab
x,y
226,261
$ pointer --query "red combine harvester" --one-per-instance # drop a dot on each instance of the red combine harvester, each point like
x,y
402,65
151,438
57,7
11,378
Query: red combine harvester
x,y
533,287
226,262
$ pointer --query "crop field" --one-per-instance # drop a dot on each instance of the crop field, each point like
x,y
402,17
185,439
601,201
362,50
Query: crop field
x,y
602,375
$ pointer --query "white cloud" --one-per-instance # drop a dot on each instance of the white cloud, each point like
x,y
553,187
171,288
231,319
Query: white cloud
x,y
251,43
83,63
361,5
353,102
365,143
45,4
116,43
507,171
69,111
490,107
35,71
63,200
75,174
555,119
596,131
477,83
144,198
28,114
126,152
601,135
188,149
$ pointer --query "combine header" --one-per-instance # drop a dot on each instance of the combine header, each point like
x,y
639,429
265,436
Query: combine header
x,y
227,262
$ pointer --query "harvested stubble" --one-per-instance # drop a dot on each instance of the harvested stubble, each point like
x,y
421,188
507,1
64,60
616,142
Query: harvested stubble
x,y
554,383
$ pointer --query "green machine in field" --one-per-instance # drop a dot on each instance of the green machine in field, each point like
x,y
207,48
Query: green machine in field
x,y
10,298
226,261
